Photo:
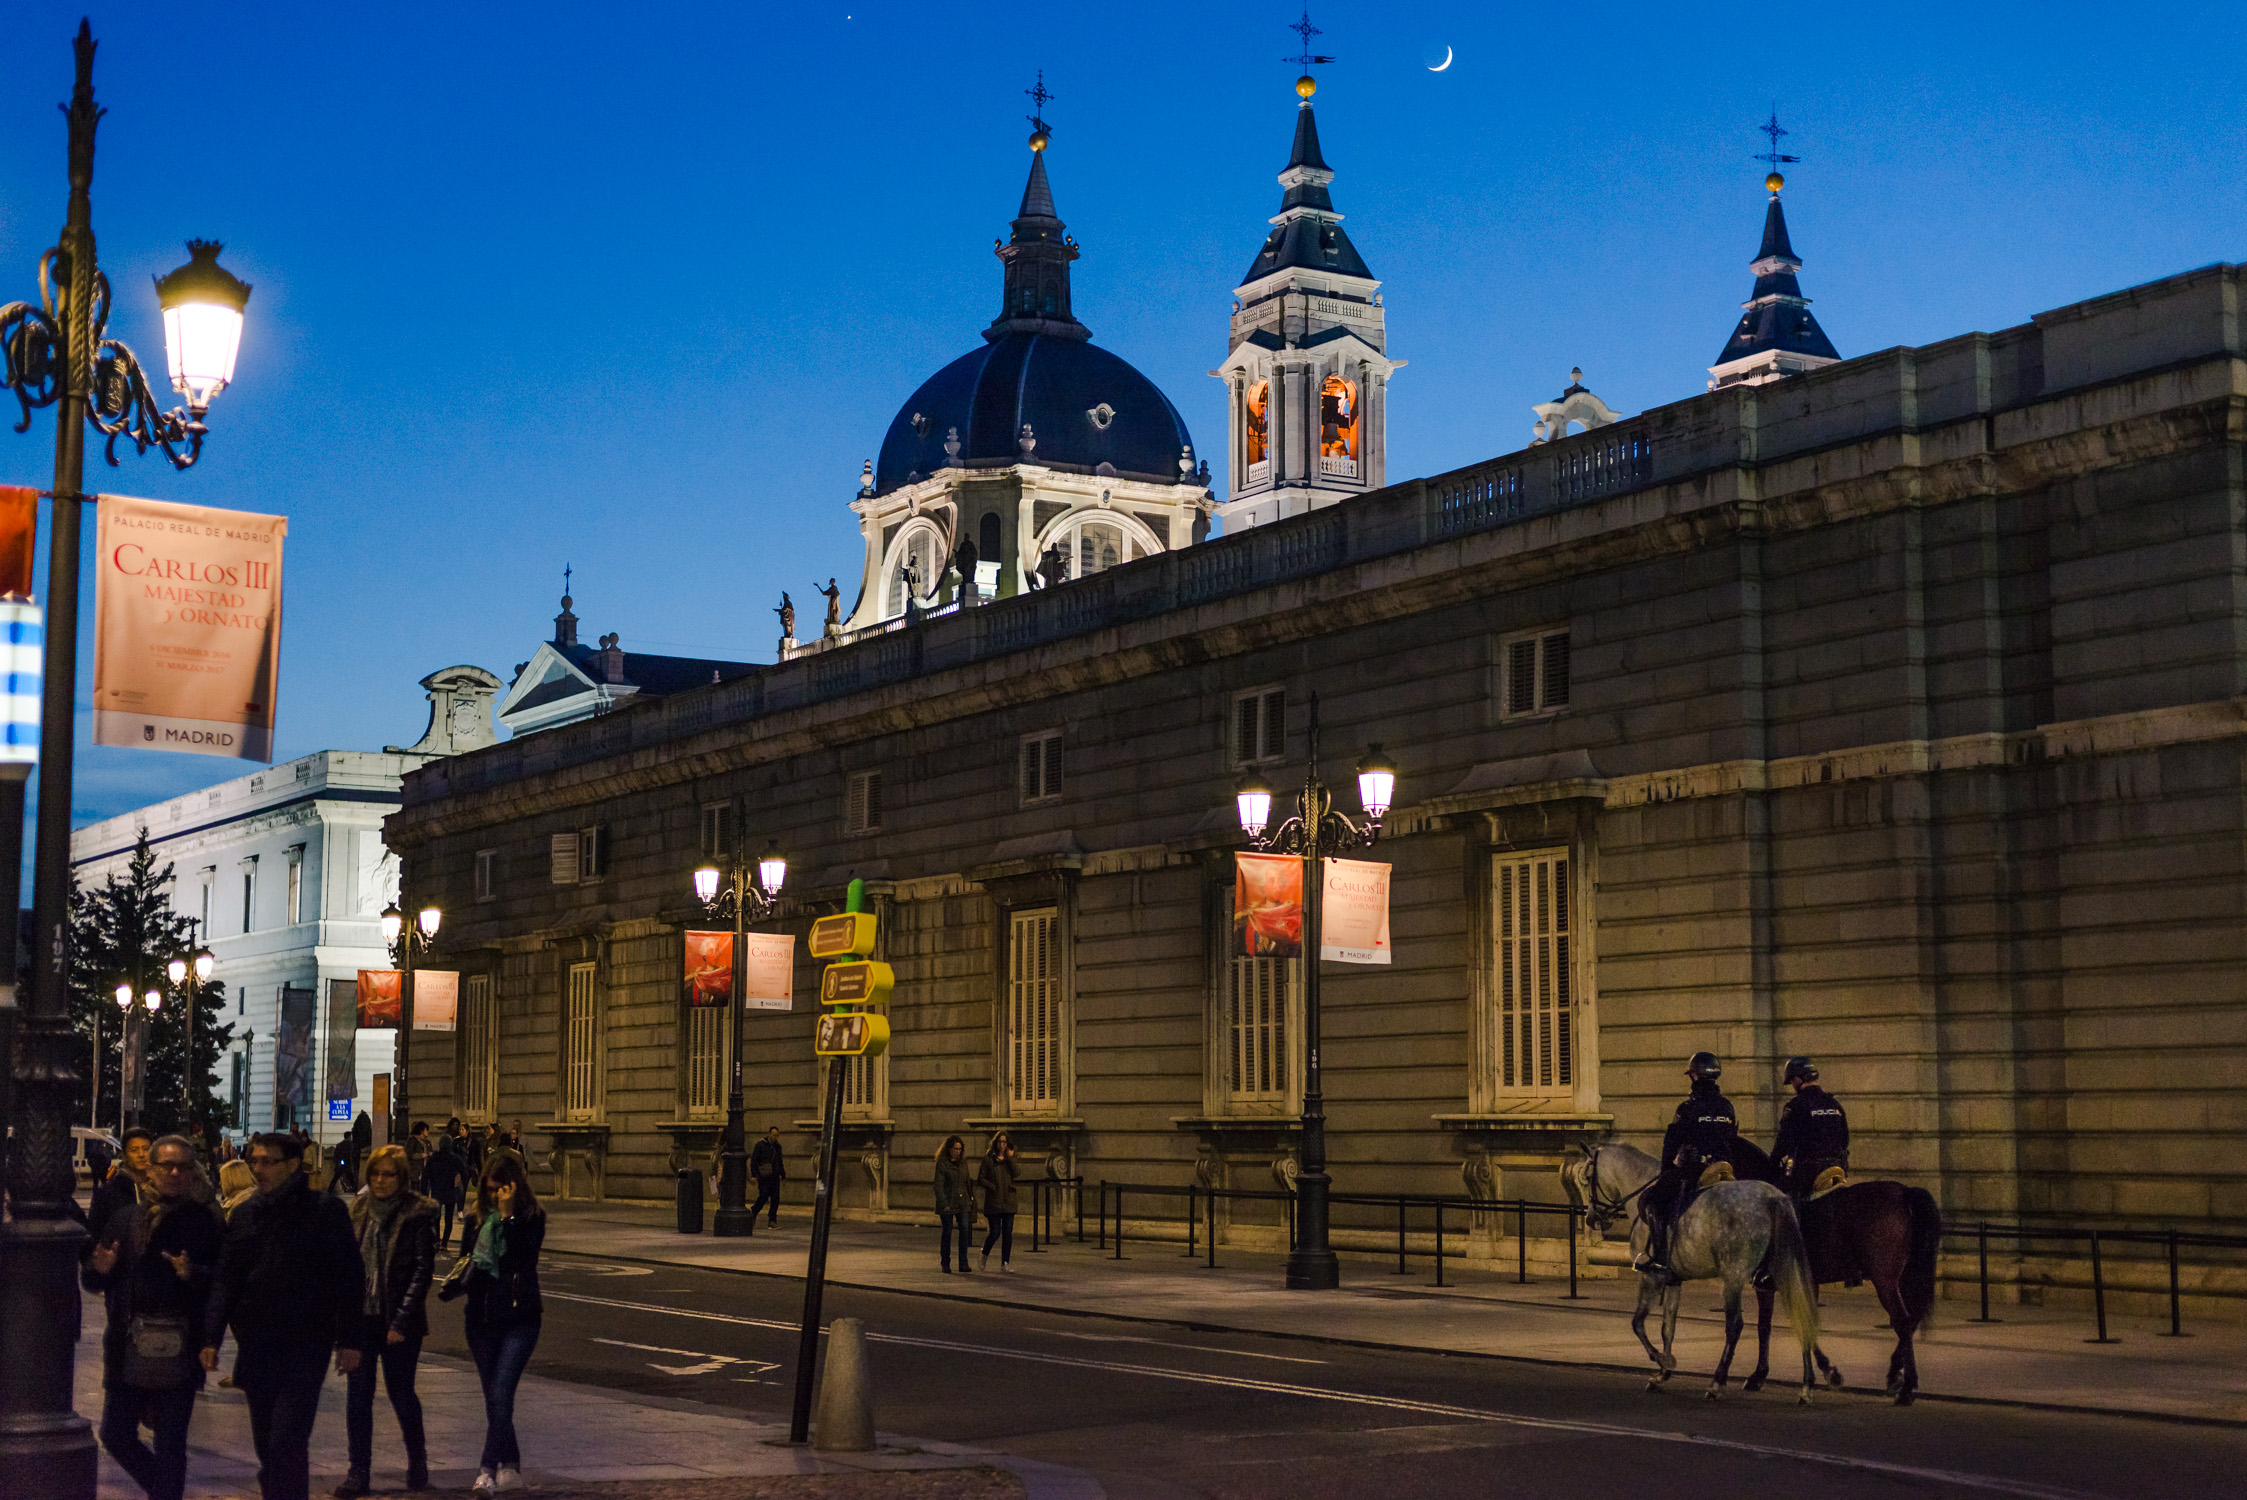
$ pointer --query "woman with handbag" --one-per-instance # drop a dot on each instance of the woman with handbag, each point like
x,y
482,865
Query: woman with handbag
x,y
500,1277
154,1266
396,1228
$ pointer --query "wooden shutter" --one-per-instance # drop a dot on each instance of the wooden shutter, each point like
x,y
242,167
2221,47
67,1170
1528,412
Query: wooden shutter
x,y
1261,1014
1552,688
1034,1021
581,1091
1535,988
561,859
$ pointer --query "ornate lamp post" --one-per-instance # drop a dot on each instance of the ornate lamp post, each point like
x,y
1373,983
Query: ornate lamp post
x,y
752,888
404,944
1315,832
132,1056
57,352
200,963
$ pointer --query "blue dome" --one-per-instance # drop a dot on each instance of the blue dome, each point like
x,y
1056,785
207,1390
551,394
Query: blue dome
x,y
1056,386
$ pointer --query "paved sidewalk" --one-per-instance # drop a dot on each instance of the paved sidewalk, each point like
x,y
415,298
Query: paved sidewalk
x,y
576,1439
2038,1356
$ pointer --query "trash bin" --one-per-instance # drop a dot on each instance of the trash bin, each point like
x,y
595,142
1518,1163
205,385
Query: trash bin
x,y
690,1201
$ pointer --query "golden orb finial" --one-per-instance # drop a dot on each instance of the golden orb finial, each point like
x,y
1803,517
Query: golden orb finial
x,y
1306,86
1774,182
1039,140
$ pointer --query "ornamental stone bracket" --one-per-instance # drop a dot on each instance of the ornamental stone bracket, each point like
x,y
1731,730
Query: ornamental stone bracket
x,y
579,1160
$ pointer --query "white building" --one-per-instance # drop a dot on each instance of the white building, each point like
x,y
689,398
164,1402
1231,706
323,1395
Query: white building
x,y
286,874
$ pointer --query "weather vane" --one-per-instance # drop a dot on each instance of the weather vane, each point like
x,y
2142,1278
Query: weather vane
x,y
1041,97
1306,31
1774,129
565,578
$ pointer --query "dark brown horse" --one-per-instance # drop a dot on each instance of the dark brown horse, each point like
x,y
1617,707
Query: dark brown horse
x,y
1882,1232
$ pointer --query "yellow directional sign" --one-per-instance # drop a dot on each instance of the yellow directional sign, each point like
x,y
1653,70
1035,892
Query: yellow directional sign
x,y
852,1034
861,983
847,934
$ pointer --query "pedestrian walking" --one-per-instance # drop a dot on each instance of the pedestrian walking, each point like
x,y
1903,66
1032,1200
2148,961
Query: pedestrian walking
x,y
154,1268
235,1187
994,1177
125,1185
504,1309
955,1201
770,1170
290,1285
417,1155
444,1180
397,1233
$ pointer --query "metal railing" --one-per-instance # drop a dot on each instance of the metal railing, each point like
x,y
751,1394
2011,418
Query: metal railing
x,y
2171,1242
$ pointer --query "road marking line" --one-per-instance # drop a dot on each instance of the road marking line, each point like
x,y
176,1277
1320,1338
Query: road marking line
x,y
709,1362
1989,1482
1110,1338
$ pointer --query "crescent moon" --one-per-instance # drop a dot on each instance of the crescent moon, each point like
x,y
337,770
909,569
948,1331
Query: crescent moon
x,y
1439,67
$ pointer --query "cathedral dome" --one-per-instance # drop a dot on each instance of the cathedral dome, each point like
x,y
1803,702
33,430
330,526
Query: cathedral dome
x,y
1084,408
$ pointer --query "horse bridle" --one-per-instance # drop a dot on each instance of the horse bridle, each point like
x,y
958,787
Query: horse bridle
x,y
1601,1214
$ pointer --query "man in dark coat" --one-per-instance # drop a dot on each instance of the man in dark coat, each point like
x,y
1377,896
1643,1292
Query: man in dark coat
x,y
290,1285
126,1184
1813,1131
153,1264
444,1178
1702,1132
768,1171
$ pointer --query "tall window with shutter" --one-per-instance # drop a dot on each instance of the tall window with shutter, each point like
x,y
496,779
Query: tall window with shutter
x,y
707,1030
1036,1025
1534,667
1535,990
1259,726
478,1057
1038,767
581,1095
1260,1025
862,803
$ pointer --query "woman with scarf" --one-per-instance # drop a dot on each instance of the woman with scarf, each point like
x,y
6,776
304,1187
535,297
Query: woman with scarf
x,y
504,1309
397,1232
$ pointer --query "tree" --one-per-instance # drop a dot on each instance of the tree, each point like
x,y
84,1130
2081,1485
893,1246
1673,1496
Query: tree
x,y
126,931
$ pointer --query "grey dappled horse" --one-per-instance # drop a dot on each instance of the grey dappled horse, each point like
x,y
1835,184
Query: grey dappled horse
x,y
1729,1233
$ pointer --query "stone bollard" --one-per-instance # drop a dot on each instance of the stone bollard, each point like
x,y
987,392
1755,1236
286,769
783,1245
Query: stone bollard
x,y
844,1413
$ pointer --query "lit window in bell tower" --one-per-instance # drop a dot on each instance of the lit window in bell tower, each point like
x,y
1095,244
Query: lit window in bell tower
x,y
1258,395
1338,418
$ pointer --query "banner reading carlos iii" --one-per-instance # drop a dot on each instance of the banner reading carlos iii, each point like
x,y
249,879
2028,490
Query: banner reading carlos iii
x,y
187,603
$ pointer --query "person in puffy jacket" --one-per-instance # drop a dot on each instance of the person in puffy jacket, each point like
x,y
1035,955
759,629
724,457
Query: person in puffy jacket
x,y
397,1233
994,1178
955,1200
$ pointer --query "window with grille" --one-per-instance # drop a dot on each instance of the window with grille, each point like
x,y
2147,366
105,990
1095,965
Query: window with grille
x,y
1259,1021
487,865
1034,1020
717,830
861,1085
477,1054
1535,986
706,1058
1535,668
862,803
1038,773
580,1040
1259,726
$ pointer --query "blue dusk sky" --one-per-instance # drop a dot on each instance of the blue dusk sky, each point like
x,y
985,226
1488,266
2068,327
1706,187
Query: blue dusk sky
x,y
637,288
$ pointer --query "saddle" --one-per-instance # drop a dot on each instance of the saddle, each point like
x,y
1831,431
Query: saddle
x,y
1714,1173
1827,1181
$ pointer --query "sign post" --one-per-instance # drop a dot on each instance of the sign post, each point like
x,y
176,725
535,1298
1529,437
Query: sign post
x,y
857,988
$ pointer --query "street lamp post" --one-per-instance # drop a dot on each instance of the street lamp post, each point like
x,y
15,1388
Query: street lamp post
x,y
1314,833
752,888
57,352
200,963
132,1054
404,943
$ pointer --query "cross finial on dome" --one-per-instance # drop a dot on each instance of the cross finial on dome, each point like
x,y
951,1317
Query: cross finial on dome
x,y
1040,96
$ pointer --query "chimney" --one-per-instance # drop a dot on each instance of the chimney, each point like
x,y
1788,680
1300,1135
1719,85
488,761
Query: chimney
x,y
612,659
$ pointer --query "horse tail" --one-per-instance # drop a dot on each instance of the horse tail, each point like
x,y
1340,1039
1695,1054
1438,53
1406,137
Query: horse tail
x,y
1918,1283
1790,1272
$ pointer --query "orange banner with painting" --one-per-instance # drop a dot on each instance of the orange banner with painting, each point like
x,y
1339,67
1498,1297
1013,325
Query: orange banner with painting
x,y
19,530
382,1001
1268,905
709,968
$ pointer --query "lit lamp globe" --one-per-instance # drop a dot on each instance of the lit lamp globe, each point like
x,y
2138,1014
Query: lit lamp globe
x,y
1254,799
706,884
176,970
772,869
155,1000
124,997
202,303
204,965
1377,783
393,922
429,920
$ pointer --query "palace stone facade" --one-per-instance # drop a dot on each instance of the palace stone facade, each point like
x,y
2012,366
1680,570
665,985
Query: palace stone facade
x,y
1890,713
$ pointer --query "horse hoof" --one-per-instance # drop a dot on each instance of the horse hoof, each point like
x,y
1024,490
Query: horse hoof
x,y
1713,1393
1904,1398
1655,1385
1753,1384
1833,1377
1804,1400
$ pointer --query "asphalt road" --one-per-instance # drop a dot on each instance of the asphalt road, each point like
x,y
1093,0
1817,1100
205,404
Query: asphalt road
x,y
1156,1411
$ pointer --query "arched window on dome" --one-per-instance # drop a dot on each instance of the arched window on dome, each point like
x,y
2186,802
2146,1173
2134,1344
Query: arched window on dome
x,y
1095,541
921,548
1338,427
1259,399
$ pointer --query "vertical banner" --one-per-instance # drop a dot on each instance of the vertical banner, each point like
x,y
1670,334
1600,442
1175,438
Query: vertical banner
x,y
23,653
772,971
187,634
292,1053
19,532
436,999
1354,912
379,1000
343,1043
1268,904
709,969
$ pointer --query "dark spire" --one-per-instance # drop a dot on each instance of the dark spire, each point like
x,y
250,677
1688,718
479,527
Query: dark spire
x,y
1038,253
1777,316
1775,244
1306,152
1308,232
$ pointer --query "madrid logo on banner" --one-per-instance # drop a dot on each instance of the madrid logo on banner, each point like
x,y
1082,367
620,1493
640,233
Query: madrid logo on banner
x,y
1354,912
1268,904
381,999
187,640
771,962
436,999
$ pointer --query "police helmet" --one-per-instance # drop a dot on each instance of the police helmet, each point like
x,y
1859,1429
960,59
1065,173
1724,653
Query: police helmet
x,y
1704,1065
1800,1067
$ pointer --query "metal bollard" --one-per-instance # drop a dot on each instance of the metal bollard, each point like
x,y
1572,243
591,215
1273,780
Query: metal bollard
x,y
1439,1242
2099,1293
1400,1236
1119,1220
1213,1229
1103,1213
2176,1318
1521,1240
1982,1253
1193,1218
1573,1294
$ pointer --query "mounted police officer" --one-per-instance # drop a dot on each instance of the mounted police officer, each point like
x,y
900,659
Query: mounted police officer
x,y
1813,1132
1701,1133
